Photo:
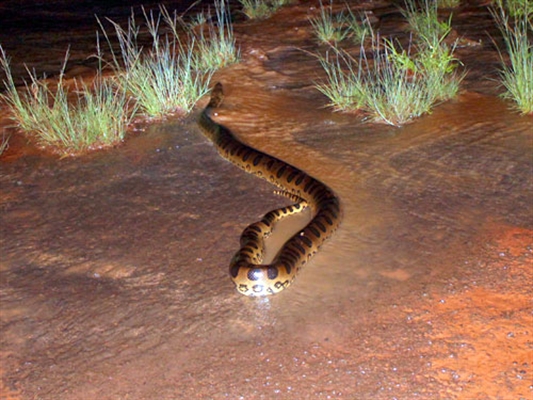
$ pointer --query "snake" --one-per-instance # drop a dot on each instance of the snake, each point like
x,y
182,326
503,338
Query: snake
x,y
250,276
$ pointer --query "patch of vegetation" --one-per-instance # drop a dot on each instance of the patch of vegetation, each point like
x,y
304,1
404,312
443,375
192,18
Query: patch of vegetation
x,y
261,9
518,76
516,8
358,27
215,45
390,83
170,76
332,28
448,3
433,57
161,80
4,143
346,86
256,9
71,120
329,27
425,23
407,86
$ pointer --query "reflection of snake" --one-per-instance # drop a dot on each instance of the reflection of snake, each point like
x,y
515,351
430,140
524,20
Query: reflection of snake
x,y
250,277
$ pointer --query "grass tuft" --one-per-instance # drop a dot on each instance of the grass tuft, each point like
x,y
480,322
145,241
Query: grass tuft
x,y
358,27
69,120
215,46
332,28
518,76
516,8
167,77
345,87
256,9
390,83
329,27
261,9
162,80
172,76
425,24
405,86
448,3
4,143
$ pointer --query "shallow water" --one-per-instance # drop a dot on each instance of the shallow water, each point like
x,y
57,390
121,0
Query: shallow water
x,y
114,264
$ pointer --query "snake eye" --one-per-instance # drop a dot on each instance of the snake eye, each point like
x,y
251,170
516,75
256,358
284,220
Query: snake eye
x,y
272,272
255,274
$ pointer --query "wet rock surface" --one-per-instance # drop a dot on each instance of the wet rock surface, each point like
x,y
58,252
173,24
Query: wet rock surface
x,y
114,278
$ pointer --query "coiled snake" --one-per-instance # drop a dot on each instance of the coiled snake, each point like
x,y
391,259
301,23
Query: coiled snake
x,y
250,276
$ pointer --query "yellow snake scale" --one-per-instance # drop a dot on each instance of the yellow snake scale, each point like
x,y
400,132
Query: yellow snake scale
x,y
252,278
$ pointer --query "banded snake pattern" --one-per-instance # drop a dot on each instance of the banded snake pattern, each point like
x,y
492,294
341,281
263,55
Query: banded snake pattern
x,y
250,276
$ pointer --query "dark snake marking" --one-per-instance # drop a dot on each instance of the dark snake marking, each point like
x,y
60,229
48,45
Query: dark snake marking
x,y
250,276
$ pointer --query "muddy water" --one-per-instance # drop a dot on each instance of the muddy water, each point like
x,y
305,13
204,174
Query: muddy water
x,y
114,265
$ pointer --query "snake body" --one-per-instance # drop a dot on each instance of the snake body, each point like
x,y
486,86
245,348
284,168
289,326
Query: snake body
x,y
250,277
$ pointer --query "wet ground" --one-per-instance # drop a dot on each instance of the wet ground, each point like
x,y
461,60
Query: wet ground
x,y
114,264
